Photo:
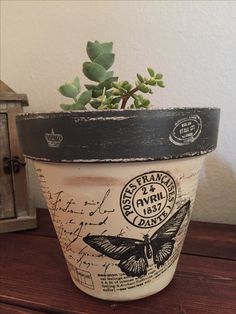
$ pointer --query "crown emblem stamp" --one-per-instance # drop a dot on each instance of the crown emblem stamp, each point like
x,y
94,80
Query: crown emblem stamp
x,y
53,139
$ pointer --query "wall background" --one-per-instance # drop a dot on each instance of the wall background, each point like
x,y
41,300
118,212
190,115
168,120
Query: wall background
x,y
192,42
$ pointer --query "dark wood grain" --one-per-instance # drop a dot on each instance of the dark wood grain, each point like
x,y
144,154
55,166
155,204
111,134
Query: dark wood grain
x,y
204,239
211,239
34,275
12,309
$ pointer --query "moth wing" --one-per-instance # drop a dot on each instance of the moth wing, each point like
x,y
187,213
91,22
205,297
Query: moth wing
x,y
111,246
136,264
171,227
130,252
162,240
162,253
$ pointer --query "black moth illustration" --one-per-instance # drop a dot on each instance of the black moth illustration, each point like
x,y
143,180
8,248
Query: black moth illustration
x,y
133,254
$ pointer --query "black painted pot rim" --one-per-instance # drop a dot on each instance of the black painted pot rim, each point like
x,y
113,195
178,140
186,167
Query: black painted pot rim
x,y
68,112
125,135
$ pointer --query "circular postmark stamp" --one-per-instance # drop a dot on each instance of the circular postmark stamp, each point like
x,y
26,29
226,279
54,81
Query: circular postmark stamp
x,y
148,199
186,130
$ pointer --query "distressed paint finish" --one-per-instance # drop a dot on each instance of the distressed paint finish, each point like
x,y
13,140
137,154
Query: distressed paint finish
x,y
116,136
7,206
87,200
15,211
121,224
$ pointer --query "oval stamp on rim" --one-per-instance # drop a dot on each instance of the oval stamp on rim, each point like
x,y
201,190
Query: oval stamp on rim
x,y
148,199
186,130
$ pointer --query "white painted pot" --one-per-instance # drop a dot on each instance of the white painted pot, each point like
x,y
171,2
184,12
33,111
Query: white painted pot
x,y
121,221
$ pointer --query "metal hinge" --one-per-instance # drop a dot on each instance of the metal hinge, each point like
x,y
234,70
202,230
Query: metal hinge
x,y
12,164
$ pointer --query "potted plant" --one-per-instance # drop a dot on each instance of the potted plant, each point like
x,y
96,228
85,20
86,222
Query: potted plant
x,y
119,180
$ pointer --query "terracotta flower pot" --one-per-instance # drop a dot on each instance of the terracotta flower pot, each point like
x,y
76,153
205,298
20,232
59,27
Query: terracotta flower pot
x,y
120,187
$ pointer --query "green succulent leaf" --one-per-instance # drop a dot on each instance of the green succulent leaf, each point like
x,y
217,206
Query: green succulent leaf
x,y
127,86
102,98
107,83
85,97
116,100
151,72
146,103
116,92
160,83
78,106
65,107
107,47
95,103
140,102
109,93
94,71
103,107
69,90
109,75
75,106
91,87
140,78
113,106
95,49
116,85
158,76
136,103
96,93
76,82
144,88
105,59
152,82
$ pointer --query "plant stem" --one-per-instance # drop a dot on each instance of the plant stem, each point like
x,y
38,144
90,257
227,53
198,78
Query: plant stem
x,y
126,97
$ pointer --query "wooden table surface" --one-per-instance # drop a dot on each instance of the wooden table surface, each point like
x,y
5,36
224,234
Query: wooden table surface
x,y
34,277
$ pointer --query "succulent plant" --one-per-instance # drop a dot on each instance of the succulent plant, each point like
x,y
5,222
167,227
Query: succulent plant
x,y
108,93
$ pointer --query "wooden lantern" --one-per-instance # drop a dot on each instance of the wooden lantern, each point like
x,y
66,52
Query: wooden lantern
x,y
15,212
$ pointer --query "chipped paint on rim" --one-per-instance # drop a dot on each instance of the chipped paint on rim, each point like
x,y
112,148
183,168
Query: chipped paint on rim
x,y
100,118
43,115
121,160
116,136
